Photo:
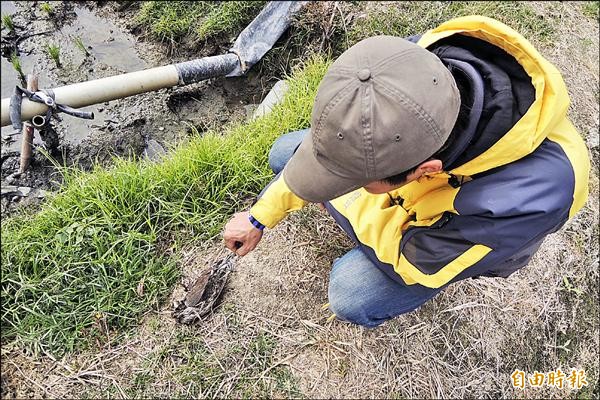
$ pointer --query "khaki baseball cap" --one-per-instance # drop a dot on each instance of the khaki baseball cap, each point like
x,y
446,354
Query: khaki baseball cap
x,y
384,106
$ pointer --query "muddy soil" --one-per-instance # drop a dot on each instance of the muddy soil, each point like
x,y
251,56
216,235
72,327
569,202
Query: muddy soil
x,y
142,125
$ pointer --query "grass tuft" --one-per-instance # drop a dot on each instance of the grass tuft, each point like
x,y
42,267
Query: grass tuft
x,y
16,63
79,44
8,22
591,9
54,53
47,8
70,272
172,20
228,17
194,370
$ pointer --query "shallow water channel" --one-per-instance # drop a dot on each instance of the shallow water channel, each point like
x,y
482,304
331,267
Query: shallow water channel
x,y
96,41
107,45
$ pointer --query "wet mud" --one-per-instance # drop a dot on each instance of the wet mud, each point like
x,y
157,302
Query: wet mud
x,y
96,40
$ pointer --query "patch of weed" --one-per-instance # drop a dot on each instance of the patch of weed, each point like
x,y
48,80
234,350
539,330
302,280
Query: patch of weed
x,y
47,8
174,20
228,17
410,18
54,53
257,364
285,383
171,20
8,22
191,369
568,286
591,9
88,248
16,63
79,44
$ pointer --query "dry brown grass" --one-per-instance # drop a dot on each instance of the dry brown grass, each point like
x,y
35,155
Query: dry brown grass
x,y
270,337
466,342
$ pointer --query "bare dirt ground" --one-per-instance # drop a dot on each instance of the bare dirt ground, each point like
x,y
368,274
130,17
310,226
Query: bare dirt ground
x,y
464,343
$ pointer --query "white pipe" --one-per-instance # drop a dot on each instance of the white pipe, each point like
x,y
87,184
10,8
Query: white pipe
x,y
250,46
99,90
38,121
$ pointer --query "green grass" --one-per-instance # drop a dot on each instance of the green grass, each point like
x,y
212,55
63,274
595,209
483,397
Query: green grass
x,y
72,270
8,23
411,18
229,17
16,63
47,8
590,9
54,53
79,44
173,20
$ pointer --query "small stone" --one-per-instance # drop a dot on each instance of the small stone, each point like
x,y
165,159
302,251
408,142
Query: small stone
x,y
14,199
274,97
24,191
161,128
153,150
100,109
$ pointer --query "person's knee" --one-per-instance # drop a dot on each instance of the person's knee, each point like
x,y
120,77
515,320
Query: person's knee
x,y
362,294
276,162
349,303
283,149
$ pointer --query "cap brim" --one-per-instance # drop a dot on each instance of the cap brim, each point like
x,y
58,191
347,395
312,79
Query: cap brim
x,y
310,181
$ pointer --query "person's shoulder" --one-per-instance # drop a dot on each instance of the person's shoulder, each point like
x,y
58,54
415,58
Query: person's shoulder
x,y
543,181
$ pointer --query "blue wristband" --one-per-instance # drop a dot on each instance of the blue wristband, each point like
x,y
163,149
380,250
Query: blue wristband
x,y
256,223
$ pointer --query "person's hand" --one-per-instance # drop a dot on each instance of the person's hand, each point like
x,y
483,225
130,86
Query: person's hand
x,y
240,235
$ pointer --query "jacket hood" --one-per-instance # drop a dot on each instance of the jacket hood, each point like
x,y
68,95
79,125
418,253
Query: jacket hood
x,y
524,95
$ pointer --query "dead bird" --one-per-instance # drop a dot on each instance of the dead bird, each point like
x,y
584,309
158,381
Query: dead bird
x,y
203,295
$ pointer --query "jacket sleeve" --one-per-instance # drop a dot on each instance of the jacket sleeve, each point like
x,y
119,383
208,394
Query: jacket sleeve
x,y
275,202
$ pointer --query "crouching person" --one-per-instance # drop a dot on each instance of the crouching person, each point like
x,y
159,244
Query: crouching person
x,y
443,158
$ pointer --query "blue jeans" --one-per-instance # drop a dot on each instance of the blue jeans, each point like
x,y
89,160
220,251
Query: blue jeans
x,y
359,292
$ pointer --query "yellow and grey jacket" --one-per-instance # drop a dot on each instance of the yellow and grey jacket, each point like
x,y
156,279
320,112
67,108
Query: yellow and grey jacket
x,y
517,171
